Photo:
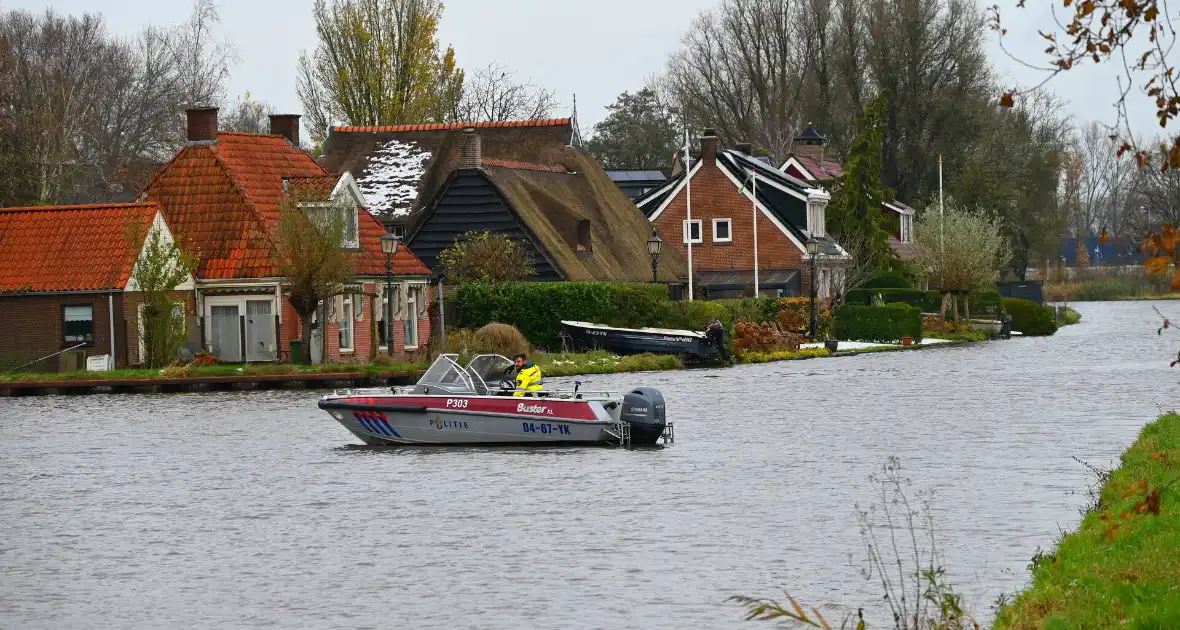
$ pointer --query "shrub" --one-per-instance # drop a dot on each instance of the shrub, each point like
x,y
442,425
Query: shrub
x,y
794,315
887,280
885,324
537,308
762,337
497,338
913,297
1030,318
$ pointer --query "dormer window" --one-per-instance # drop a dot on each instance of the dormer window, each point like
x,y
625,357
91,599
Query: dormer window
x,y
817,203
906,232
341,216
584,244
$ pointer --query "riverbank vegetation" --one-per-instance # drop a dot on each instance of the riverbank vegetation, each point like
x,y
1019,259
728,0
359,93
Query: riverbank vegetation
x,y
1120,569
1030,318
1148,287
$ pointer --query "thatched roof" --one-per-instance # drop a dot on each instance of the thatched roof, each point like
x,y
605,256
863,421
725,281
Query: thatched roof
x,y
398,168
551,205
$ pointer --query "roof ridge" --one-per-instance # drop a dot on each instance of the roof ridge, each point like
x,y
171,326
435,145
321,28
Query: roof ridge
x,y
538,122
82,206
526,166
250,134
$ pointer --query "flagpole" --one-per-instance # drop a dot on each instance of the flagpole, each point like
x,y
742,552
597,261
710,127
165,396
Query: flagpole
x,y
688,206
754,196
940,219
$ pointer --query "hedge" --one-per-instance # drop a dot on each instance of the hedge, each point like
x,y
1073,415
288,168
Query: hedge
x,y
537,308
887,280
883,324
988,302
1030,318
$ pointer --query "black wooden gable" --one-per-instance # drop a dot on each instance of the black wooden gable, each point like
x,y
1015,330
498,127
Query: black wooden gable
x,y
469,203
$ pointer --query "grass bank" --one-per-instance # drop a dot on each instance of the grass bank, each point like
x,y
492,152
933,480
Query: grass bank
x,y
1121,568
266,369
1112,289
602,362
1066,316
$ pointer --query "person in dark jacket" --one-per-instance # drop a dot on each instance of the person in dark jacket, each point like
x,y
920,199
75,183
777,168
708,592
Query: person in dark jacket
x,y
528,375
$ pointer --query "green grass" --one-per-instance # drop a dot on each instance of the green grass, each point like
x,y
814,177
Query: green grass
x,y
264,369
1100,577
789,355
966,335
1067,317
601,362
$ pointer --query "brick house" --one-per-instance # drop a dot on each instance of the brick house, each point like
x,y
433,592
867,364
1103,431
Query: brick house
x,y
808,162
67,289
722,188
221,195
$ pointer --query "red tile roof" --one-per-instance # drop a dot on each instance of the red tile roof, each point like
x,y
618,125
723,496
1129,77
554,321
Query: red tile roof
x,y
551,122
828,170
315,188
527,166
222,201
71,248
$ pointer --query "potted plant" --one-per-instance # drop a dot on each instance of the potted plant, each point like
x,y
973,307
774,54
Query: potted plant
x,y
907,341
831,345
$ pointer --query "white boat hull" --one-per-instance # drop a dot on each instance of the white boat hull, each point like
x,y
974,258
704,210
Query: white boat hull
x,y
402,419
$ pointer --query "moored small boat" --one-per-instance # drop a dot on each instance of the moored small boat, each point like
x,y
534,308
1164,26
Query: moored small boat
x,y
475,404
703,345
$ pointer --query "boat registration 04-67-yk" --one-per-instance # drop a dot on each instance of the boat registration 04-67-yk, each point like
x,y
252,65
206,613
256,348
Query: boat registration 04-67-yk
x,y
545,428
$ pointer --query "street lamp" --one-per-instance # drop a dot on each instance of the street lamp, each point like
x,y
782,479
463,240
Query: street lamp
x,y
654,245
389,244
813,252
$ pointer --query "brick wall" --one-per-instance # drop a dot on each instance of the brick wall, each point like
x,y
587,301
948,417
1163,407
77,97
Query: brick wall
x,y
715,196
31,327
363,339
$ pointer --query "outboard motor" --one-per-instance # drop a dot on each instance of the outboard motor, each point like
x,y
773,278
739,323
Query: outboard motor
x,y
1006,326
643,409
715,333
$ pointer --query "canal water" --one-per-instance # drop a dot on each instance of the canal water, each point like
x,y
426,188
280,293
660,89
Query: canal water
x,y
256,509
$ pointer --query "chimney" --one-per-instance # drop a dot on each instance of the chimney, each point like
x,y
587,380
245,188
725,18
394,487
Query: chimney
x,y
470,151
811,144
746,148
202,124
287,126
709,142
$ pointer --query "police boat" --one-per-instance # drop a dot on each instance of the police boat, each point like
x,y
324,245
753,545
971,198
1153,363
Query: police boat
x,y
477,404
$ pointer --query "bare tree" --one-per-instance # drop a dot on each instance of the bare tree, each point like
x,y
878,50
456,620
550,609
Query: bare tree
x,y
248,116
1107,182
959,250
204,63
493,94
742,70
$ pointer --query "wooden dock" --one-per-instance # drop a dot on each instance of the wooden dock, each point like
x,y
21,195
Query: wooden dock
x,y
243,382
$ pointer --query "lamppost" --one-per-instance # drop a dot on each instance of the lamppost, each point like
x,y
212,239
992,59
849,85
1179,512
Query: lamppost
x,y
813,252
654,245
389,244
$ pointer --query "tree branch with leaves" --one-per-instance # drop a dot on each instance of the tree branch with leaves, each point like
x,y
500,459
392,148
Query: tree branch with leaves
x,y
160,268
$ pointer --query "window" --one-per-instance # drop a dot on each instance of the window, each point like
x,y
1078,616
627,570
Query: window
x,y
346,324
398,231
907,228
722,231
77,324
325,215
411,321
584,236
358,306
692,231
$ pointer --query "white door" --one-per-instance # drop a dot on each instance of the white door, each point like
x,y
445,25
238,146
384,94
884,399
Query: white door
x,y
225,333
261,340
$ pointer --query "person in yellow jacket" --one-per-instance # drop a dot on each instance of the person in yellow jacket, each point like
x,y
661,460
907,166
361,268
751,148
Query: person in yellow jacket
x,y
528,376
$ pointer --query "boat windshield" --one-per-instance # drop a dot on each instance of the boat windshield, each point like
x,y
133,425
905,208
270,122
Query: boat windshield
x,y
490,368
446,374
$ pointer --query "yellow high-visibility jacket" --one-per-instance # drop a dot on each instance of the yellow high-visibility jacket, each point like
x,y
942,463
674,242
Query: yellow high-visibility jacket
x,y
528,379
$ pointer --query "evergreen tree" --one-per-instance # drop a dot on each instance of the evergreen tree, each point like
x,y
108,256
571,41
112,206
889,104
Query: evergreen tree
x,y
854,214
639,133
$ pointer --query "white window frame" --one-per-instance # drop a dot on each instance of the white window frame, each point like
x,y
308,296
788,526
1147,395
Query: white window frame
x,y
208,302
411,321
687,232
347,240
347,320
728,228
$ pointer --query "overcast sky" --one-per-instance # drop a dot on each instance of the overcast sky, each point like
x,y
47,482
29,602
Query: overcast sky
x,y
595,49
